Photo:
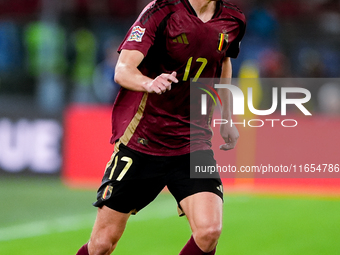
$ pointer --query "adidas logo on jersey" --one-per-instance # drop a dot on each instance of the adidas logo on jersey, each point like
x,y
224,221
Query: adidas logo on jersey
x,y
181,39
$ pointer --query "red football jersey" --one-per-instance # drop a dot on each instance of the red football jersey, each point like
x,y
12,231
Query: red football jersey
x,y
173,38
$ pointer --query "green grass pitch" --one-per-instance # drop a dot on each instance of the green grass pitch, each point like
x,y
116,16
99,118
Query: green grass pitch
x,y
42,216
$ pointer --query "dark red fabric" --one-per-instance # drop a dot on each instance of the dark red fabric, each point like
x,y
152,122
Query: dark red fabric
x,y
173,38
191,248
83,250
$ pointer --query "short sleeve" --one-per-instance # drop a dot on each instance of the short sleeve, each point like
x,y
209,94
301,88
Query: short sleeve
x,y
141,35
234,47
233,50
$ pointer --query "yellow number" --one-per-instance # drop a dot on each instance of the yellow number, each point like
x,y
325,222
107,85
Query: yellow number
x,y
126,168
187,69
204,62
113,168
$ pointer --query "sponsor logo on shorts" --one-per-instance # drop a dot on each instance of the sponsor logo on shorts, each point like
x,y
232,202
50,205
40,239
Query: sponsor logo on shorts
x,y
136,34
220,188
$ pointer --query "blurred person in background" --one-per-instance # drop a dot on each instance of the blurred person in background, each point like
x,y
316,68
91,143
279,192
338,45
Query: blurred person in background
x,y
171,42
45,43
262,22
83,68
104,86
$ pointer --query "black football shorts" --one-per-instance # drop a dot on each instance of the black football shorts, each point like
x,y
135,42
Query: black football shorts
x,y
133,179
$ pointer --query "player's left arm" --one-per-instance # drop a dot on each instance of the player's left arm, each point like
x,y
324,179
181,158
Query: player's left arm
x,y
229,133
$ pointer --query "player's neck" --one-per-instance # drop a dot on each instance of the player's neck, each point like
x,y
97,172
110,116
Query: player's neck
x,y
204,9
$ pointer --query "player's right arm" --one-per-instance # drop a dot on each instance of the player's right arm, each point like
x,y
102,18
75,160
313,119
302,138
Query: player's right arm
x,y
128,75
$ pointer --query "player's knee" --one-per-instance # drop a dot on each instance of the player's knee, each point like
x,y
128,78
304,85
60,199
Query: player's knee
x,y
211,234
206,238
100,247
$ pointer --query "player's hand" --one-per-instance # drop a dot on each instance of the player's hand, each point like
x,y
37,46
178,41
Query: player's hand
x,y
161,83
230,136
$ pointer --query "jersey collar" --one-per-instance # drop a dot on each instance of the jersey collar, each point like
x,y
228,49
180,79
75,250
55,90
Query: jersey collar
x,y
191,10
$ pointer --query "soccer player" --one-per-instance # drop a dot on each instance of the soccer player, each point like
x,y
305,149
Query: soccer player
x,y
171,42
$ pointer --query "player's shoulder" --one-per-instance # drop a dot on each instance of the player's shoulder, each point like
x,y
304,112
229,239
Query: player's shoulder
x,y
158,8
229,8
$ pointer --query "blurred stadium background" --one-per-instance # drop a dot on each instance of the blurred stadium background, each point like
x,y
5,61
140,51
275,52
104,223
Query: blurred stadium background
x,y
57,61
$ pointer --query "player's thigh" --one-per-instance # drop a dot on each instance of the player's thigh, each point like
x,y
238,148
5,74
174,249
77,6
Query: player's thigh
x,y
131,181
185,189
203,210
108,228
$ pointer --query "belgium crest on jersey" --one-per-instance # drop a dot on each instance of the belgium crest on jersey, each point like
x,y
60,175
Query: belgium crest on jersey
x,y
222,41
